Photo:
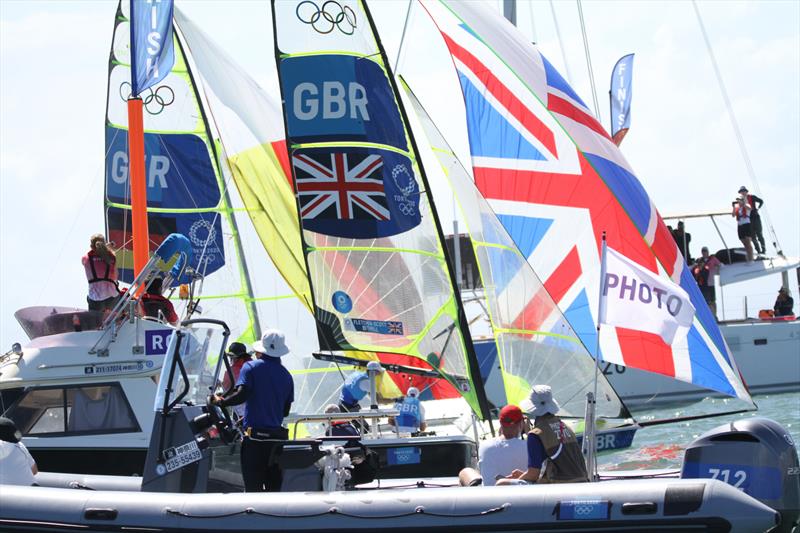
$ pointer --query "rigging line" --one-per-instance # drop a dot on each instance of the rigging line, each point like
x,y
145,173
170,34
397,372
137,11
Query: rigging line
x,y
561,43
732,116
588,61
533,22
403,36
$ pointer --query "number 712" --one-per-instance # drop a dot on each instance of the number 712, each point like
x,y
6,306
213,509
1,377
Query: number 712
x,y
724,474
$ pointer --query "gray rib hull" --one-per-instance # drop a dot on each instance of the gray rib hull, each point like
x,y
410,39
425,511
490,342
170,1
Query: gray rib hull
x,y
627,505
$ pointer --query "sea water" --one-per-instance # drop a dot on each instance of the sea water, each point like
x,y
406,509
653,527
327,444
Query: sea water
x,y
662,446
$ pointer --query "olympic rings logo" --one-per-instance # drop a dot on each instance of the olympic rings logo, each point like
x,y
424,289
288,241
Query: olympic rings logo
x,y
583,510
324,19
154,101
407,209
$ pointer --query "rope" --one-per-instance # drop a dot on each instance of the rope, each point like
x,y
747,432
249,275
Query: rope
x,y
419,510
588,62
737,132
561,43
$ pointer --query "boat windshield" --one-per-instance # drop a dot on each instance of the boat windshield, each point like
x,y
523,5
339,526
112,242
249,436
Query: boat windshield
x,y
200,350
40,321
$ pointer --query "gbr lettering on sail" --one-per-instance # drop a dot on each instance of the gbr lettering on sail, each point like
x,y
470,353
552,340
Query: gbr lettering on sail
x,y
333,99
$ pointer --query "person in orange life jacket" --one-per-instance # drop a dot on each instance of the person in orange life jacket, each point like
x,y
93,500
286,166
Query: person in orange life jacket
x,y
554,455
784,303
100,266
412,413
742,213
339,428
155,305
755,219
267,390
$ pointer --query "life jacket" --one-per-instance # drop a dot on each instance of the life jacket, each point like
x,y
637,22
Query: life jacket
x,y
154,304
409,417
94,259
564,463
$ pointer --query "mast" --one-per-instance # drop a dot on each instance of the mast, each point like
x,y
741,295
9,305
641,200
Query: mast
x,y
155,50
244,273
472,358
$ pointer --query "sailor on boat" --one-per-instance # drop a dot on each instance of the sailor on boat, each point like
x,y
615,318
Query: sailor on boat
x,y
784,303
155,305
500,456
554,455
412,414
755,219
339,428
100,266
267,390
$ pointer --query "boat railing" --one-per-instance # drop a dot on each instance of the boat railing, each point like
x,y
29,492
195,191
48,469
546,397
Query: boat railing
x,y
373,415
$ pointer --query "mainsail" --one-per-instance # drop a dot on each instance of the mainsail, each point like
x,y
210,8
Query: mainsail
x,y
557,181
373,248
530,344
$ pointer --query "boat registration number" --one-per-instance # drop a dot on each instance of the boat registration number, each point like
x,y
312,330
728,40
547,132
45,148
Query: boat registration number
x,y
182,455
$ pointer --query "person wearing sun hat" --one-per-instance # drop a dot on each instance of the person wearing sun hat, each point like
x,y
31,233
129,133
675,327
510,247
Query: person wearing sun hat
x,y
554,455
412,413
267,390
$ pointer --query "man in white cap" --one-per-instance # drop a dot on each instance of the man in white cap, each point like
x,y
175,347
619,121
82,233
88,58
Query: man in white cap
x,y
267,389
554,455
412,414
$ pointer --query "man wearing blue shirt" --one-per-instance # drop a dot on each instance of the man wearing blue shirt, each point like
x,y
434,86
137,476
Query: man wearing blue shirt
x,y
267,390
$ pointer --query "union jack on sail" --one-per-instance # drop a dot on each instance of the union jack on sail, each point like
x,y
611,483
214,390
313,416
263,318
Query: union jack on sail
x,y
556,181
340,185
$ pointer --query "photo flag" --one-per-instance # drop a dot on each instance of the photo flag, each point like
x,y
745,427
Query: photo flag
x,y
635,298
620,94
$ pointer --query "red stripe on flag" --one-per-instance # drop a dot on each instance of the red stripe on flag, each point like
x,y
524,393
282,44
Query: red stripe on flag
x,y
540,307
664,246
519,110
563,107
646,351
585,190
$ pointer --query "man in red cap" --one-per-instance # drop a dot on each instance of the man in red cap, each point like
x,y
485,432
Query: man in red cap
x,y
505,453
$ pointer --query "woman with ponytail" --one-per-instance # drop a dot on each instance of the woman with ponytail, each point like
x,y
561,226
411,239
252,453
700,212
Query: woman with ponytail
x,y
100,265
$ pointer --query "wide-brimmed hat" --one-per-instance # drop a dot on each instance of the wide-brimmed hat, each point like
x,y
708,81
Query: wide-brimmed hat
x,y
540,401
9,431
237,350
272,343
510,415
743,189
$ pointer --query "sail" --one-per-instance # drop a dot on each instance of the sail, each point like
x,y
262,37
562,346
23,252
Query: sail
x,y
186,192
372,245
527,344
557,181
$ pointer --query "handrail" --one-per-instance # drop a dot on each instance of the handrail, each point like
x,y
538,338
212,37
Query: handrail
x,y
367,414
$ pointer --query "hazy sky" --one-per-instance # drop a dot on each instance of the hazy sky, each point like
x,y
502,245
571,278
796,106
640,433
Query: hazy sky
x,y
53,67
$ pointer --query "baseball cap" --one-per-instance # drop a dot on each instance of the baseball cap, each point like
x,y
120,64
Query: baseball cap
x,y
509,415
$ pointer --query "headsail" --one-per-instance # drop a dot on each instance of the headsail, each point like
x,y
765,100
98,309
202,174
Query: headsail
x,y
530,344
557,181
373,248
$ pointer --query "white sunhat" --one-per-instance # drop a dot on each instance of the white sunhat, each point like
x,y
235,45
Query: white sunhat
x,y
272,343
540,401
